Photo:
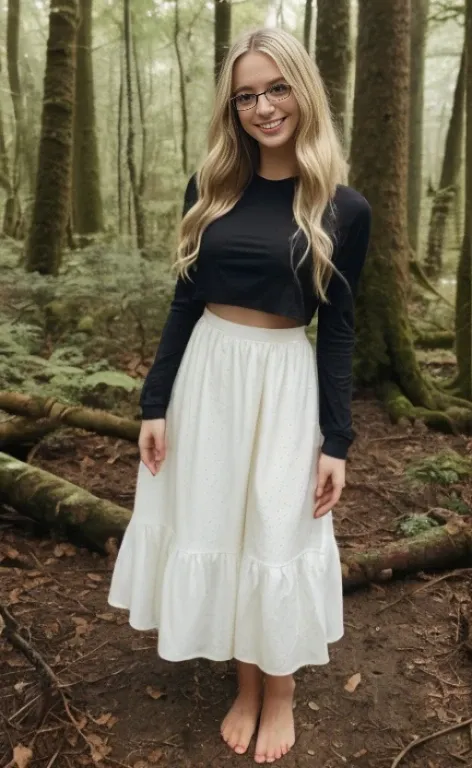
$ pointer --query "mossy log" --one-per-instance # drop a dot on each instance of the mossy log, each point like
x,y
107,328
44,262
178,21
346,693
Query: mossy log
x,y
90,419
101,524
435,340
58,503
456,417
441,547
18,431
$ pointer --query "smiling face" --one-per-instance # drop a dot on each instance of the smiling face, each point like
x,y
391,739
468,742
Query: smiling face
x,y
272,124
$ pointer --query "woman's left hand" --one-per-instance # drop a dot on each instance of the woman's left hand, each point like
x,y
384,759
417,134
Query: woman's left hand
x,y
331,479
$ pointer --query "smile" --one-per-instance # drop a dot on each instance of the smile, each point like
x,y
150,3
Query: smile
x,y
272,126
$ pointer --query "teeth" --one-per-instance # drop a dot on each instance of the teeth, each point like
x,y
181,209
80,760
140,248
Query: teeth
x,y
274,124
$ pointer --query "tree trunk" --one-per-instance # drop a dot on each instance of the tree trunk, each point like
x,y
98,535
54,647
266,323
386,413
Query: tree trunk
x,y
444,199
119,128
333,55
53,184
385,355
419,28
222,26
53,501
464,269
87,208
91,419
137,202
12,215
183,94
307,22
142,121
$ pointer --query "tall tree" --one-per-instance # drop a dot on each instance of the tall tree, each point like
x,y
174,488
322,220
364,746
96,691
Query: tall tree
x,y
419,28
307,20
130,150
447,191
385,356
53,185
333,55
464,270
182,90
12,215
222,26
87,202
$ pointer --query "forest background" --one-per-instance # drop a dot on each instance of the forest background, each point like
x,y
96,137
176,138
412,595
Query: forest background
x,y
104,108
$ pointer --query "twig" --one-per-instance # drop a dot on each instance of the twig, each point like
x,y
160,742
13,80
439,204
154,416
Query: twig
x,y
423,587
18,641
416,742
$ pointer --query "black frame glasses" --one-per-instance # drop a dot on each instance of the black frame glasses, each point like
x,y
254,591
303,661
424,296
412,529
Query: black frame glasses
x,y
270,94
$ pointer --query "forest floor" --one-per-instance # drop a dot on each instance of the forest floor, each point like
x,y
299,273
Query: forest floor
x,y
133,709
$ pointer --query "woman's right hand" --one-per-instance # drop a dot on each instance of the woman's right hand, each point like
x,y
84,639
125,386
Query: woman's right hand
x,y
152,443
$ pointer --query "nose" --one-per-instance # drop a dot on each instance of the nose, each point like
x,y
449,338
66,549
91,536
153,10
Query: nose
x,y
264,106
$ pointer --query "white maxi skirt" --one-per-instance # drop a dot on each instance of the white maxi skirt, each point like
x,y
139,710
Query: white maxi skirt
x,y
222,553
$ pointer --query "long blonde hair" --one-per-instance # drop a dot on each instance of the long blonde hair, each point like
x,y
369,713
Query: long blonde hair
x,y
233,155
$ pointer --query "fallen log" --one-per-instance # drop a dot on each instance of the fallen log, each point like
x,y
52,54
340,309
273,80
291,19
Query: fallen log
x,y
18,431
90,419
47,498
58,503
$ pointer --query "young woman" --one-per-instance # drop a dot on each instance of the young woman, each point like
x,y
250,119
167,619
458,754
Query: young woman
x,y
230,551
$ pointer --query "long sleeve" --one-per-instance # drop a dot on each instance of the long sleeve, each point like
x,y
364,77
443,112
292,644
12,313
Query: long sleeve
x,y
184,312
335,338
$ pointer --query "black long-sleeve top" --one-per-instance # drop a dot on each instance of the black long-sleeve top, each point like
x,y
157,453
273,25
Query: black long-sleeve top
x,y
244,260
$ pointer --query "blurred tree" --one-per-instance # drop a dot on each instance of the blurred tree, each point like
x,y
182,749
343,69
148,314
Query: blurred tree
x,y
464,269
53,185
307,21
418,36
222,28
333,55
87,202
12,214
130,152
385,355
447,191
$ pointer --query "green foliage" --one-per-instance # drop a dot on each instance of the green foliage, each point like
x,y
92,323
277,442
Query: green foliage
x,y
445,468
456,504
414,525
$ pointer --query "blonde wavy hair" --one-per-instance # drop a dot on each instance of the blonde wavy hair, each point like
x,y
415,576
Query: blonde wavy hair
x,y
233,155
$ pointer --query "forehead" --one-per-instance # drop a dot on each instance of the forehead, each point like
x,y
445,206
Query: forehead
x,y
254,70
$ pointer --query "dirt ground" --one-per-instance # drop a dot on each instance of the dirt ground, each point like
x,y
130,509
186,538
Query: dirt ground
x,y
132,709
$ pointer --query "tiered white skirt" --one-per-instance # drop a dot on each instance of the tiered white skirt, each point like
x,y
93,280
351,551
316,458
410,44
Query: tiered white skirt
x,y
222,553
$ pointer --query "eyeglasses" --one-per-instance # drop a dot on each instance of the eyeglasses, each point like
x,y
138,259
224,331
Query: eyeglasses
x,y
274,94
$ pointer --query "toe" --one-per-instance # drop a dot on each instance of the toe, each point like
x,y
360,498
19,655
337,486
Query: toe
x,y
240,749
278,753
259,758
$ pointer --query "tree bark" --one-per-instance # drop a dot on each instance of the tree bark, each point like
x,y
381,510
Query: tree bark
x,y
464,269
385,355
333,55
58,503
307,22
419,28
87,208
446,194
222,26
182,90
53,184
12,214
137,202
91,419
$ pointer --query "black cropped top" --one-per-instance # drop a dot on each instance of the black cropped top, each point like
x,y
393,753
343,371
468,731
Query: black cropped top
x,y
244,260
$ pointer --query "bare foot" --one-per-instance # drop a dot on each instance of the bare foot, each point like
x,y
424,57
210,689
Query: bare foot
x,y
276,730
240,723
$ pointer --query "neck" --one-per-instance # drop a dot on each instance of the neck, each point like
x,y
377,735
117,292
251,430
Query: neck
x,y
277,164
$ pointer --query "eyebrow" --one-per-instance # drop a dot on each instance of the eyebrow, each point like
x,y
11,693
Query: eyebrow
x,y
250,88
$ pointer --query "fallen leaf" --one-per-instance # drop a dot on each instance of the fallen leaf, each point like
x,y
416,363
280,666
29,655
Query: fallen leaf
x,y
14,596
353,682
313,706
103,719
20,687
141,764
95,577
311,752
155,756
21,756
155,693
361,753
106,616
16,662
79,621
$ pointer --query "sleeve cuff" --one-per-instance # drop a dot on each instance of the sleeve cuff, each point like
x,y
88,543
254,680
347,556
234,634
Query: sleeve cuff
x,y
336,446
153,412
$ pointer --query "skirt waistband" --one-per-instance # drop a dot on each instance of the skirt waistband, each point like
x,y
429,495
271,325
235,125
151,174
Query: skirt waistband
x,y
252,332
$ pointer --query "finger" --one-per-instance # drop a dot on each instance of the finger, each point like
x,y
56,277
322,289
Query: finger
x,y
326,505
323,499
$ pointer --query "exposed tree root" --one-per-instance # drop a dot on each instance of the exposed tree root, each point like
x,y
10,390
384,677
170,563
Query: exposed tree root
x,y
450,414
435,340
